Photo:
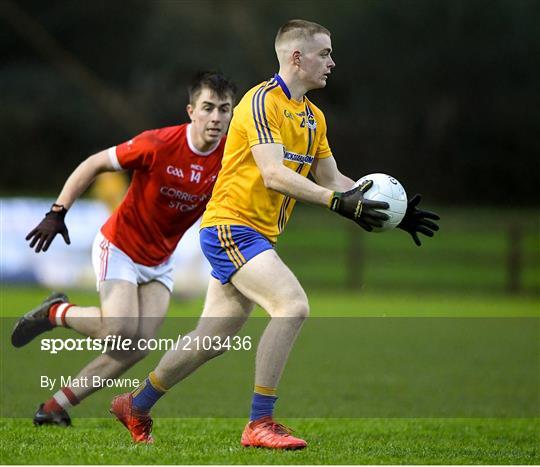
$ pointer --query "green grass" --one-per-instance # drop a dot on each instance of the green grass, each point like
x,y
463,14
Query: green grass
x,y
331,441
363,371
15,300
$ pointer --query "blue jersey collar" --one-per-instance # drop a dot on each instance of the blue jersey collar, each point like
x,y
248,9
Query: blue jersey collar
x,y
279,79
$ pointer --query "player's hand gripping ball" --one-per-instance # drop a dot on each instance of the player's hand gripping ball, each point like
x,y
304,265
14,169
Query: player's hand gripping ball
x,y
388,189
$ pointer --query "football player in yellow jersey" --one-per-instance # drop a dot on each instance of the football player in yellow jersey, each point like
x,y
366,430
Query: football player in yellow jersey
x,y
276,137
270,117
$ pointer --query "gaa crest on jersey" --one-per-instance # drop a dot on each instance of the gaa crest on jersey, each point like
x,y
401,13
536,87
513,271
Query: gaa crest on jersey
x,y
311,123
176,171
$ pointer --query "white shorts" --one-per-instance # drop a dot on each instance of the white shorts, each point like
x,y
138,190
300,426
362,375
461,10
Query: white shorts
x,y
111,263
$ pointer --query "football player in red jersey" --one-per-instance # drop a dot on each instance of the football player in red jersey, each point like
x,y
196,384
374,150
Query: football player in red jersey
x,y
174,170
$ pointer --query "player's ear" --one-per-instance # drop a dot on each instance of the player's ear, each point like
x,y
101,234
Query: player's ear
x,y
296,55
189,110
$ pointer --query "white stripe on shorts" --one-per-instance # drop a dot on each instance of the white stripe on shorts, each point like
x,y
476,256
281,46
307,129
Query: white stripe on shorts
x,y
104,258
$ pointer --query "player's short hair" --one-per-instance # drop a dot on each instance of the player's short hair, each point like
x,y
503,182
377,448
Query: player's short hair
x,y
216,81
299,29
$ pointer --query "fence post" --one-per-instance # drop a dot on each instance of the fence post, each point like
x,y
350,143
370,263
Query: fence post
x,y
513,260
354,260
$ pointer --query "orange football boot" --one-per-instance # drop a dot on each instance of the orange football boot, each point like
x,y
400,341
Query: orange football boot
x,y
139,425
266,433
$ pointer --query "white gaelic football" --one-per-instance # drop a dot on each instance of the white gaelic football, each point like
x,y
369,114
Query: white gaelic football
x,y
388,189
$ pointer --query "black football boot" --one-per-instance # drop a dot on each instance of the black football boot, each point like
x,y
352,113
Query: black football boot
x,y
60,418
35,321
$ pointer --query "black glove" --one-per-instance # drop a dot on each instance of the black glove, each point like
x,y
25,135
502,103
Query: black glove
x,y
52,224
352,205
416,220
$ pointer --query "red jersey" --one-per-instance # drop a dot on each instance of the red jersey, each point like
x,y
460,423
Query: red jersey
x,y
171,185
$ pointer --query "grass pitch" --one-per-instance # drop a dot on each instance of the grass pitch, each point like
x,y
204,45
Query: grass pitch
x,y
331,441
511,440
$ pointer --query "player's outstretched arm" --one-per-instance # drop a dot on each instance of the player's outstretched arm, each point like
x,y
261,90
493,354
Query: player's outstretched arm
x,y
350,204
277,177
418,221
53,223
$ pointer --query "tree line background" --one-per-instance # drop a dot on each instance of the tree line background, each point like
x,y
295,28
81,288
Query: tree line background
x,y
442,94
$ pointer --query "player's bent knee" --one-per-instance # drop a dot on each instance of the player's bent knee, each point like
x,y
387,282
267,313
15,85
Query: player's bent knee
x,y
301,310
298,309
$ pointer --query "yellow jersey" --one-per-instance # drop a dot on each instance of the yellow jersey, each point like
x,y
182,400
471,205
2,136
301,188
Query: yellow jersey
x,y
266,114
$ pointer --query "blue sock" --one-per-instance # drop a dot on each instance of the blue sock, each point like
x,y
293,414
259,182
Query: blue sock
x,y
147,394
262,406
